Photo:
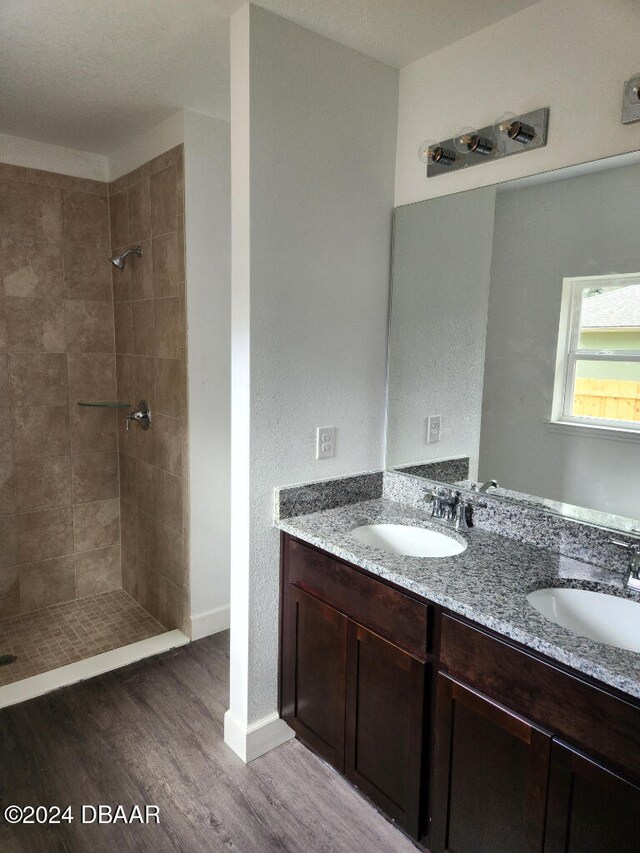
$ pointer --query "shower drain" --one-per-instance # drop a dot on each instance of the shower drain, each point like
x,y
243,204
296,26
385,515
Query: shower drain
x,y
5,660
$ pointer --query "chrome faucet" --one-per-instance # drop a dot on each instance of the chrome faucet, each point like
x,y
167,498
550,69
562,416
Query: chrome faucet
x,y
490,484
142,416
633,549
450,506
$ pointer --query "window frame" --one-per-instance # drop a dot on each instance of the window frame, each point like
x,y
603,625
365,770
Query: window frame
x,y
569,354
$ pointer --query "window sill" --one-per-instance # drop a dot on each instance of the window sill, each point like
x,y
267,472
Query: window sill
x,y
594,431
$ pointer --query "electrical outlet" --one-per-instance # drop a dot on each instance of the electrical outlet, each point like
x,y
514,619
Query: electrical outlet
x,y
433,429
324,442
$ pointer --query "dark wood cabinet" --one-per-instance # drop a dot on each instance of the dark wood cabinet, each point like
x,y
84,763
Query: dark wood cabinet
x,y
385,725
490,775
590,808
355,698
313,674
468,742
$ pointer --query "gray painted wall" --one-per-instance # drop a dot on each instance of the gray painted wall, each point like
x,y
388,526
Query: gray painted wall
x,y
313,147
441,268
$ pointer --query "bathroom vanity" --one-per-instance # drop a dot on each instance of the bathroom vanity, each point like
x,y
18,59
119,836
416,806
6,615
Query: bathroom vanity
x,y
437,691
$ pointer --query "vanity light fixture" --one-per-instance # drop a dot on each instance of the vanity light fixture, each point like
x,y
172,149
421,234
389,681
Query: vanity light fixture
x,y
509,134
511,126
431,152
470,141
631,101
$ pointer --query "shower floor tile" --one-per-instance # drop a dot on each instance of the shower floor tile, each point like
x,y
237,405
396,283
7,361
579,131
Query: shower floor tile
x,y
69,632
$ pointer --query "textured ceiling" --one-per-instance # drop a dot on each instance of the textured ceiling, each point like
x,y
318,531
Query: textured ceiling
x,y
91,74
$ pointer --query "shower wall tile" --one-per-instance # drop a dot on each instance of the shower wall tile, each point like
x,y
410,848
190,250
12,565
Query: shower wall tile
x,y
87,275
9,539
164,201
169,555
32,270
168,386
96,524
98,571
47,582
148,485
145,381
94,476
119,219
3,325
8,499
169,327
30,212
146,444
123,320
172,605
128,467
35,325
125,370
41,431
9,592
92,429
143,334
43,483
170,500
169,438
141,274
91,376
45,534
128,529
6,443
89,326
38,379
140,211
146,550
150,334
85,220
5,395
165,253
56,321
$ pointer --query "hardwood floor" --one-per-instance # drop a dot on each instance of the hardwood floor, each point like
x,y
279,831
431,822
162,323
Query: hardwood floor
x,y
152,734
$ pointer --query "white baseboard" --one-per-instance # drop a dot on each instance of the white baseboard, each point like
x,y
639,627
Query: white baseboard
x,y
209,622
37,685
254,740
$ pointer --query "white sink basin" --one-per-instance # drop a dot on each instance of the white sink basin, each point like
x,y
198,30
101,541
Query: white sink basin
x,y
408,541
600,617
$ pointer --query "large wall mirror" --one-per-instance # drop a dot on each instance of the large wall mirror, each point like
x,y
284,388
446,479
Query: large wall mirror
x,y
514,343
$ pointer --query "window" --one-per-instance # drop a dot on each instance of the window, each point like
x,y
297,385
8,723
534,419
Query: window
x,y
598,366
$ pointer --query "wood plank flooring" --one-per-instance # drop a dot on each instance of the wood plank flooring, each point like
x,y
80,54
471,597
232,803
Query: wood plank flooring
x,y
152,734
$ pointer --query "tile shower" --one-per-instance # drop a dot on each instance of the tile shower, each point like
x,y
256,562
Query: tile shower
x,y
91,516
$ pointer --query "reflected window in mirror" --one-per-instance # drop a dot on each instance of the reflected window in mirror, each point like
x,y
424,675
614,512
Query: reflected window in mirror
x,y
598,365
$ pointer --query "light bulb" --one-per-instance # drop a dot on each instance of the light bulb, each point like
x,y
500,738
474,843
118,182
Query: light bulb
x,y
509,126
469,141
431,151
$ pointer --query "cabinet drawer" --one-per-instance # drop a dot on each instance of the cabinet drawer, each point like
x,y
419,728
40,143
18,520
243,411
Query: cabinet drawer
x,y
390,614
583,714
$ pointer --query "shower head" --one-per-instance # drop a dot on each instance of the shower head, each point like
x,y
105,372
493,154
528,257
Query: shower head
x,y
120,260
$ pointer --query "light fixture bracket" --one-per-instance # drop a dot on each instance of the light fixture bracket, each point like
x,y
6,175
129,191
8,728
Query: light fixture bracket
x,y
631,101
538,119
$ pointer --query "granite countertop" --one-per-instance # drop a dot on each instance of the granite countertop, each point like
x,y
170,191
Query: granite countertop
x,y
487,583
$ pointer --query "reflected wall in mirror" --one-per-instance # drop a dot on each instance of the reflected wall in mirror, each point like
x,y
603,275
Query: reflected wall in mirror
x,y
516,318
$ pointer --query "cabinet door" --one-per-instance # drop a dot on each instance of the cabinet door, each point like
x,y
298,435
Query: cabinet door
x,y
490,776
313,675
590,809
385,725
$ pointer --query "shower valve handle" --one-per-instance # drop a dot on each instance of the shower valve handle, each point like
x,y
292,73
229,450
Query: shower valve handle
x,y
142,416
